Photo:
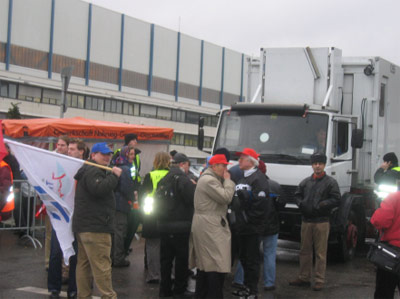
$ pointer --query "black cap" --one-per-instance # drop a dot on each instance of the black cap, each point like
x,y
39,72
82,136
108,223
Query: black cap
x,y
173,153
390,157
318,157
223,151
130,137
180,158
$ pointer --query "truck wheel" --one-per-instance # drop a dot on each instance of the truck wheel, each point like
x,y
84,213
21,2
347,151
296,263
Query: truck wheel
x,y
347,242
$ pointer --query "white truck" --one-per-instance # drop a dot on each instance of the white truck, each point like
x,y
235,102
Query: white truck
x,y
303,100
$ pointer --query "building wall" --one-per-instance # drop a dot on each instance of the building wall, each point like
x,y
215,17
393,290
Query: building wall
x,y
114,54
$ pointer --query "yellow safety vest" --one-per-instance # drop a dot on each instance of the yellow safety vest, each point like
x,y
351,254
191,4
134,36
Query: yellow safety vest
x,y
156,176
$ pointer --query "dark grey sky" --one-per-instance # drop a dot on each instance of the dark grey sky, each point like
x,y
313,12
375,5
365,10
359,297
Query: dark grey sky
x,y
358,27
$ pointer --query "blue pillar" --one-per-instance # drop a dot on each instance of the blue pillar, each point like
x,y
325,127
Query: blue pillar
x,y
8,46
89,36
150,81
241,80
50,64
221,95
201,73
178,54
121,53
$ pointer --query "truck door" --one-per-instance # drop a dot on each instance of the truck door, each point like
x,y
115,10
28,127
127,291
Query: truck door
x,y
342,153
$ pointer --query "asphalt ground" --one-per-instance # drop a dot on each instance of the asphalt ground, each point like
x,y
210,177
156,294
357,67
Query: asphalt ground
x,y
23,274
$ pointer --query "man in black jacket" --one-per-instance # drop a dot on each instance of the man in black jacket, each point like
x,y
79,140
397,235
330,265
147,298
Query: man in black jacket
x,y
175,228
93,222
389,172
252,191
316,196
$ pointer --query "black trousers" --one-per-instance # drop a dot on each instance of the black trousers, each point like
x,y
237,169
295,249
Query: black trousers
x,y
249,255
210,284
174,246
386,284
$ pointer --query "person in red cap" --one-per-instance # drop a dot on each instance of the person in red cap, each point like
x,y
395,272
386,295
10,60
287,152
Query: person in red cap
x,y
252,191
210,239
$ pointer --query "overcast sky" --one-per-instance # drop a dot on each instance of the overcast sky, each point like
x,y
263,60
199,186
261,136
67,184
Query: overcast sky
x,y
358,27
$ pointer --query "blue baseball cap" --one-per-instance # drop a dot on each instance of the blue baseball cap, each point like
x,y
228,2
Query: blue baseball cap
x,y
101,147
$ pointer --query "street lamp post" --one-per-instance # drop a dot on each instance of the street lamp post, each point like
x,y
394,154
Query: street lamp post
x,y
66,74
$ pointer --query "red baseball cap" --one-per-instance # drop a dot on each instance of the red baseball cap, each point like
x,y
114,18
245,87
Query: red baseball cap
x,y
248,152
218,159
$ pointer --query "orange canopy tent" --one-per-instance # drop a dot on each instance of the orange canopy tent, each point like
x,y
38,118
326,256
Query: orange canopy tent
x,y
79,127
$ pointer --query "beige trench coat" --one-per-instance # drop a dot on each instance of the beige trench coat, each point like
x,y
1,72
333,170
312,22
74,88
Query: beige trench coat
x,y
210,241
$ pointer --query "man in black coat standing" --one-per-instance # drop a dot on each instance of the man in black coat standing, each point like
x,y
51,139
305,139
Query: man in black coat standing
x,y
174,228
316,196
252,191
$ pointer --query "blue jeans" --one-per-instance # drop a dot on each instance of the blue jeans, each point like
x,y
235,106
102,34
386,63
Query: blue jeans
x,y
270,244
54,278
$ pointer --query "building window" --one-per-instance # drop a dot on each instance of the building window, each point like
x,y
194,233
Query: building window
x,y
8,90
51,96
107,106
192,118
88,103
178,115
148,111
208,142
81,101
382,100
178,139
128,108
164,113
94,103
119,107
100,104
30,93
191,140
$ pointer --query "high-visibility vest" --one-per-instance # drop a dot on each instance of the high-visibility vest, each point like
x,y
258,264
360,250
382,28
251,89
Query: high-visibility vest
x,y
396,168
156,176
10,205
135,167
148,204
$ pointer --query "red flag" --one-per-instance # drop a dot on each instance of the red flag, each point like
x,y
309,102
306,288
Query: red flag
x,y
3,150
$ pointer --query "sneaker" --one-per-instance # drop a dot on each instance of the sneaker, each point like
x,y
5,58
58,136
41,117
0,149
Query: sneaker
x,y
270,288
318,286
55,295
244,292
237,285
299,283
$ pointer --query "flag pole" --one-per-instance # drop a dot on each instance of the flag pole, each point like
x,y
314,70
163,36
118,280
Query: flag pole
x,y
97,165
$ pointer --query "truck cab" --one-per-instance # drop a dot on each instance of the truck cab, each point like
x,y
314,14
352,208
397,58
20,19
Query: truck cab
x,y
315,100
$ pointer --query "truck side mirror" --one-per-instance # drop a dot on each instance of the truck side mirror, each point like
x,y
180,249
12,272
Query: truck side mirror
x,y
200,135
357,138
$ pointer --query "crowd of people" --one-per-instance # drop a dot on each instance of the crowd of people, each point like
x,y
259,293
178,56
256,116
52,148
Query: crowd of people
x,y
197,227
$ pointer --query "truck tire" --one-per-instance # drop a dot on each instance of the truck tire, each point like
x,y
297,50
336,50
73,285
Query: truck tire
x,y
347,241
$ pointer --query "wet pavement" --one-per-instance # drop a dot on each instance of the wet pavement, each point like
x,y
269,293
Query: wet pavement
x,y
22,267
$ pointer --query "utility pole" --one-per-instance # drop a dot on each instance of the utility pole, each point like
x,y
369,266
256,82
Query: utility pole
x,y
66,74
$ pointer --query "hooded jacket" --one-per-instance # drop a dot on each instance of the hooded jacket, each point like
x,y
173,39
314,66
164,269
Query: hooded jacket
x,y
316,197
94,209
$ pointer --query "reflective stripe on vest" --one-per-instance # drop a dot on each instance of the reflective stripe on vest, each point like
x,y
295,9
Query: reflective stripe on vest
x,y
9,206
156,176
396,168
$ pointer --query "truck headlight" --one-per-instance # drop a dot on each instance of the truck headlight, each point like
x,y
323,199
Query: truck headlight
x,y
148,205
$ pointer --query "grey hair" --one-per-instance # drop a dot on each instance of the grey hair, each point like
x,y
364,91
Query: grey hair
x,y
253,160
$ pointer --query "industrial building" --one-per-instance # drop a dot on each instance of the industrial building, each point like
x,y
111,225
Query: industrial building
x,y
125,69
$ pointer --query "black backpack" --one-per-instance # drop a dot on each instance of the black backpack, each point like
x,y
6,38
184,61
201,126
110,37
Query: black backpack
x,y
165,195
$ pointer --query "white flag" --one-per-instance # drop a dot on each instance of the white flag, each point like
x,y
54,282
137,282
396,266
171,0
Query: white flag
x,y
52,176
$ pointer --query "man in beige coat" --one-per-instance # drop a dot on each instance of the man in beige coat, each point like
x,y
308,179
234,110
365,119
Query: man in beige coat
x,y
210,239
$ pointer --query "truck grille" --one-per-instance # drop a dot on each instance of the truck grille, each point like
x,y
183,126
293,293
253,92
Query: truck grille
x,y
288,193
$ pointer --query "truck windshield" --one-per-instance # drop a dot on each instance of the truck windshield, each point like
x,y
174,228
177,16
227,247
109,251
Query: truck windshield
x,y
286,139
